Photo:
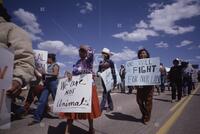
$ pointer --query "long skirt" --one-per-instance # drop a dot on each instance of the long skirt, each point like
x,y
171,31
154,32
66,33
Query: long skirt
x,y
95,113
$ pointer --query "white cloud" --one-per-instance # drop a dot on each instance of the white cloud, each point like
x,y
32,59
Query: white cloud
x,y
156,5
198,57
165,18
184,43
162,45
58,47
30,23
62,65
87,7
35,37
198,46
126,54
137,35
142,24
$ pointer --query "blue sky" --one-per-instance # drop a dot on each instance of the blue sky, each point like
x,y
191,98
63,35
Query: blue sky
x,y
168,29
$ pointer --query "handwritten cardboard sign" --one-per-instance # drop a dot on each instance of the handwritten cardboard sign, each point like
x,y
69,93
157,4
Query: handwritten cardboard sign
x,y
6,68
107,79
41,60
74,96
143,72
6,75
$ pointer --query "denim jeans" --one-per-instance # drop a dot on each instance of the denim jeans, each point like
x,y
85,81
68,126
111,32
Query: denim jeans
x,y
50,87
162,86
122,85
106,97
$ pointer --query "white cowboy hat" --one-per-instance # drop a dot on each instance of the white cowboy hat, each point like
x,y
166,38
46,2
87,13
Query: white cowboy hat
x,y
106,51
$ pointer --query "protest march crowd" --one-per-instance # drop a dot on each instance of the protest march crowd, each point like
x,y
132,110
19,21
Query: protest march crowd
x,y
75,95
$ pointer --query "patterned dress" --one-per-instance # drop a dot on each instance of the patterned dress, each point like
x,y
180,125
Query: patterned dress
x,y
85,67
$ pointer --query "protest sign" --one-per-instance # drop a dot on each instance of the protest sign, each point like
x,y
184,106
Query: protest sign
x,y
107,79
74,96
41,60
6,68
6,75
143,72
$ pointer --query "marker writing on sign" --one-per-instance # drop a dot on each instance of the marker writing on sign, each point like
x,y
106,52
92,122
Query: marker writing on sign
x,y
3,72
65,84
68,103
39,57
144,69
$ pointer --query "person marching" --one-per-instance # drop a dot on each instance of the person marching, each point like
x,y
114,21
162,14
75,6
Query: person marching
x,y
84,66
50,86
14,38
35,90
175,77
122,73
144,93
163,74
103,65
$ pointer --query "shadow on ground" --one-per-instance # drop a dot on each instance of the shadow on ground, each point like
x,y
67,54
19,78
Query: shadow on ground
x,y
60,129
164,100
123,117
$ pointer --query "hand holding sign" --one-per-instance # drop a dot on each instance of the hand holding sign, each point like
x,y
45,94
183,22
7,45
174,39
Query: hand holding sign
x,y
108,79
143,72
41,60
74,95
15,89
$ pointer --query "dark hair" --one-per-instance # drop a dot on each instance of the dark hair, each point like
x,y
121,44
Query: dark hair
x,y
4,14
175,61
52,56
107,56
140,51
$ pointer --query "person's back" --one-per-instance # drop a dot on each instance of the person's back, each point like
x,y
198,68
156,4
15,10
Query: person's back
x,y
175,74
122,72
16,39
175,77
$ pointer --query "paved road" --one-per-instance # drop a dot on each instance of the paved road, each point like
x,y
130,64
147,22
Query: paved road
x,y
126,118
189,121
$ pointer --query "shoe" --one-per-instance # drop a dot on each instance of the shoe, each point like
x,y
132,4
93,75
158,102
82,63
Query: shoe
x,y
146,122
109,109
67,131
172,101
91,131
104,108
33,122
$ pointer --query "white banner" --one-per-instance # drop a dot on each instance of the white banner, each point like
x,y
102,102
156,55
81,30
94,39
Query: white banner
x,y
6,75
74,96
107,79
41,60
143,72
